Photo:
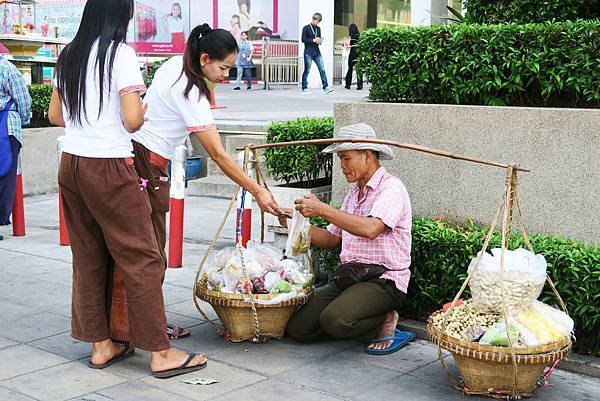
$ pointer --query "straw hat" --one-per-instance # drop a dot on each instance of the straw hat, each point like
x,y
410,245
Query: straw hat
x,y
360,131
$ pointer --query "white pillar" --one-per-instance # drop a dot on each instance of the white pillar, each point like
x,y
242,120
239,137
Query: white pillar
x,y
306,10
427,12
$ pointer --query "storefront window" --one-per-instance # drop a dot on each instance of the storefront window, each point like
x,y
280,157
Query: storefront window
x,y
392,13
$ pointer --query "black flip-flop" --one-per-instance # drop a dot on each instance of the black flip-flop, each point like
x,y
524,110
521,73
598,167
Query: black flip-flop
x,y
175,332
126,352
165,374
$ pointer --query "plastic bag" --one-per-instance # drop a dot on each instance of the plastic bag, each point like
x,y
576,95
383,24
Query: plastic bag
x,y
524,277
298,242
542,324
498,335
265,255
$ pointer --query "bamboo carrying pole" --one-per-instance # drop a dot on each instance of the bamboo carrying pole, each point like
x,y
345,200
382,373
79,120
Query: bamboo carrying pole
x,y
409,146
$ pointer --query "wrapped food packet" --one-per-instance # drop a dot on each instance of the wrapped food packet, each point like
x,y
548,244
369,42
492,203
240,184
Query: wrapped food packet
x,y
298,242
498,335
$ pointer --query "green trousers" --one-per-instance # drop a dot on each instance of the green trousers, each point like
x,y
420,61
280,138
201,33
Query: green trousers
x,y
353,314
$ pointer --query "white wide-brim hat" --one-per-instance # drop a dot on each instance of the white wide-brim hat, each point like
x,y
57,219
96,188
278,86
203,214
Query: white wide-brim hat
x,y
362,131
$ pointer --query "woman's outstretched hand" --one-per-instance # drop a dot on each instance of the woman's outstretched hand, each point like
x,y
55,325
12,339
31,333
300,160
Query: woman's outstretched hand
x,y
266,202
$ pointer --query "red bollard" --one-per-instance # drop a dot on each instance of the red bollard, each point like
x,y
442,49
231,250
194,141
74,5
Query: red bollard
x,y
177,207
18,212
62,226
213,101
243,221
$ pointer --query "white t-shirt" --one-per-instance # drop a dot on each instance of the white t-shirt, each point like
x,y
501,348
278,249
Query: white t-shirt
x,y
105,136
170,116
175,24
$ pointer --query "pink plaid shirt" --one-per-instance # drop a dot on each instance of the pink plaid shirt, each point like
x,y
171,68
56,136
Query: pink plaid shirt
x,y
386,198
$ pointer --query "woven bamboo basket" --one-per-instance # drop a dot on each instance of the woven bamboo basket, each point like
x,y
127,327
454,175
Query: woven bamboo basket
x,y
244,316
488,370
501,372
235,312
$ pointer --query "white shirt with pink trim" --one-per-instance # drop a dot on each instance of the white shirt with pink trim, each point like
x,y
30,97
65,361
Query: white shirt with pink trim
x,y
103,135
170,116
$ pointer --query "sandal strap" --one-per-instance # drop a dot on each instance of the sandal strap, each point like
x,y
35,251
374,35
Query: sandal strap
x,y
187,362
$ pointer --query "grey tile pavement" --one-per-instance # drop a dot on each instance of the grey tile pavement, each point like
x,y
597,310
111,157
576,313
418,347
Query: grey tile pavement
x,y
40,361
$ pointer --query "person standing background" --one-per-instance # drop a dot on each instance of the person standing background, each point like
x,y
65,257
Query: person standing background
x,y
244,62
354,37
15,111
311,37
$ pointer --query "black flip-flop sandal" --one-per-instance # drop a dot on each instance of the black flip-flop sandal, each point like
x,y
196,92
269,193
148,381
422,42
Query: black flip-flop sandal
x,y
176,332
126,352
165,374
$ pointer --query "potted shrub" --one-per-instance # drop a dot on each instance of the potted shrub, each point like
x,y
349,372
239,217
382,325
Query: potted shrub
x,y
301,169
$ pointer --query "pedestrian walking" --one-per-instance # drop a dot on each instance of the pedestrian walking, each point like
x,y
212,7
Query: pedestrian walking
x,y
108,216
15,111
354,37
311,37
243,62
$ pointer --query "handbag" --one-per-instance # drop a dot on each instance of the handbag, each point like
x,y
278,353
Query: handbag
x,y
348,274
6,159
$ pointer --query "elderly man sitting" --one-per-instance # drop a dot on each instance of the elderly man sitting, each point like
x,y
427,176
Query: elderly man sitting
x,y
374,230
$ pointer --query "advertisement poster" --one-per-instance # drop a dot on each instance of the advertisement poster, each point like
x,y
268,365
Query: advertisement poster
x,y
161,26
58,17
257,17
11,17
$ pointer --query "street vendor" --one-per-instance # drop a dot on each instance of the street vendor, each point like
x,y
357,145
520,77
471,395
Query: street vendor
x,y
373,227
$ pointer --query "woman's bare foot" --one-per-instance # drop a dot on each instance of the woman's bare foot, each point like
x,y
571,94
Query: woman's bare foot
x,y
171,359
104,351
388,328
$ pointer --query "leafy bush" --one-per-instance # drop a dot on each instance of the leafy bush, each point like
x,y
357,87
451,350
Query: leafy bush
x,y
150,70
549,65
40,97
441,253
524,11
302,164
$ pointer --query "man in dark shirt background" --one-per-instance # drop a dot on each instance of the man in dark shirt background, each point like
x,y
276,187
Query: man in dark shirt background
x,y
311,37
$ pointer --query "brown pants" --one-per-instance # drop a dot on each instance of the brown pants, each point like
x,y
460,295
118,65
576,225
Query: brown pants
x,y
355,313
108,217
157,189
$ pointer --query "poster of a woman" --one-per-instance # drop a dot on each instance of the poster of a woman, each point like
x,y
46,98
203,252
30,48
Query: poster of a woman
x,y
175,27
161,26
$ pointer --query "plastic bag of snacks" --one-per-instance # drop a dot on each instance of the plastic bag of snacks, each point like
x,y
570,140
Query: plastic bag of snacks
x,y
298,242
498,335
524,278
542,324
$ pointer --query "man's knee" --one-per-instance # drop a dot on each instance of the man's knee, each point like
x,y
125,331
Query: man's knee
x,y
335,323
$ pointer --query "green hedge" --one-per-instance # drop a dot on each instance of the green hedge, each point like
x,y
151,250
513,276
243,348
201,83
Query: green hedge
x,y
303,164
40,97
524,11
550,64
441,253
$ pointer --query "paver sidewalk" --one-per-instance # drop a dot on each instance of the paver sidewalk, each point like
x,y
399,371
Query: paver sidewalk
x,y
39,360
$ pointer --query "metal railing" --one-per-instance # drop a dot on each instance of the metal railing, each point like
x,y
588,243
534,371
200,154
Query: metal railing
x,y
280,62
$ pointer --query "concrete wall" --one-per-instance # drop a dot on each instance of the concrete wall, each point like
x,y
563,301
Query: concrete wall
x,y
39,160
561,147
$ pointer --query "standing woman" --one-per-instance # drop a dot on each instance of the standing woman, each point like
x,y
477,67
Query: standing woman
x,y
354,36
179,105
244,62
97,100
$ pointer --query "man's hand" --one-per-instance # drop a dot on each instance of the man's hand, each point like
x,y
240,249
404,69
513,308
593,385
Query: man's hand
x,y
284,216
310,206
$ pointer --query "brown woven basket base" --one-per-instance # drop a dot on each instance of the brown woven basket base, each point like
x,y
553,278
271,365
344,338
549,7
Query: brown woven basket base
x,y
235,312
490,373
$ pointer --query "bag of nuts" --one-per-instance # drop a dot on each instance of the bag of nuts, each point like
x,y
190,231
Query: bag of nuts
x,y
524,278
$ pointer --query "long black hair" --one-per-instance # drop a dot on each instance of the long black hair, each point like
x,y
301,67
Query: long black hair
x,y
353,31
102,20
217,43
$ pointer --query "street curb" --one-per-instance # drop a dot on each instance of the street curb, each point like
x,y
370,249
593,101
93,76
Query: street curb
x,y
576,363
